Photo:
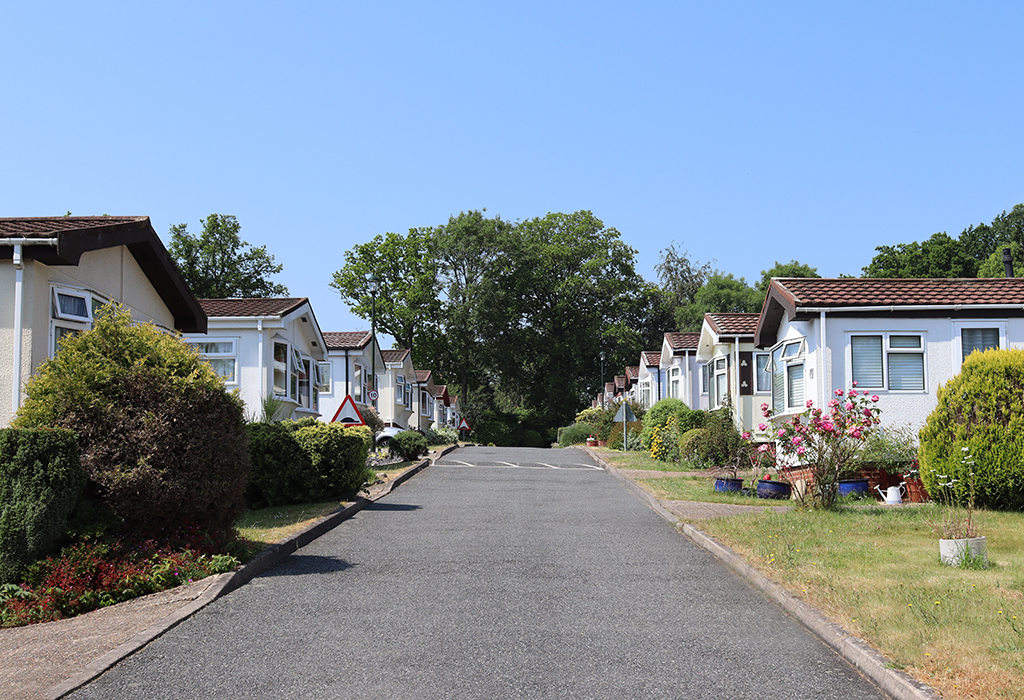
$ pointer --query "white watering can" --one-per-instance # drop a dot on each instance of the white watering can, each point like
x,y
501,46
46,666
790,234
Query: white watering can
x,y
893,494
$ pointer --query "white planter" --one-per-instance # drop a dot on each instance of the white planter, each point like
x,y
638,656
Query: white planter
x,y
953,552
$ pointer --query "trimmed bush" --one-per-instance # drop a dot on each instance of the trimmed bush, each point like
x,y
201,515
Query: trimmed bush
x,y
281,469
695,445
532,438
980,409
442,436
657,416
574,434
41,479
159,436
500,432
409,445
337,456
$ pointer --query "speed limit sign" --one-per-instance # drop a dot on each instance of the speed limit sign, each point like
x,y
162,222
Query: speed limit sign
x,y
373,394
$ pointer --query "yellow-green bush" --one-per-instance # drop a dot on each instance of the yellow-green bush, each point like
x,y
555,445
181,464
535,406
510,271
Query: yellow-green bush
x,y
980,412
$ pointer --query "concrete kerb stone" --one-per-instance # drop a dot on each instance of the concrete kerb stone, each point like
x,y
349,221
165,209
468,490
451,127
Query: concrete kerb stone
x,y
857,652
224,584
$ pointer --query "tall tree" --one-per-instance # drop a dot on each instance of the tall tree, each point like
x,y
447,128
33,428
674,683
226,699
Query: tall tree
x,y
218,264
939,256
722,293
790,269
407,306
680,277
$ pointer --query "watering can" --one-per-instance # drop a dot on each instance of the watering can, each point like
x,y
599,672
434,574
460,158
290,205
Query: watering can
x,y
893,494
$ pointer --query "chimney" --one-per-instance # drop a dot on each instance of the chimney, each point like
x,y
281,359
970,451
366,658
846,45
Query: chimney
x,y
1007,262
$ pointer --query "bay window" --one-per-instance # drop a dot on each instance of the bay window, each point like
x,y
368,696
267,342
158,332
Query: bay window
x,y
786,367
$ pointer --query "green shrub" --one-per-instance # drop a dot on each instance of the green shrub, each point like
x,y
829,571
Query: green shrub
x,y
159,436
409,445
615,436
980,412
442,436
337,456
40,482
280,467
502,432
590,416
725,444
695,446
657,416
532,438
574,434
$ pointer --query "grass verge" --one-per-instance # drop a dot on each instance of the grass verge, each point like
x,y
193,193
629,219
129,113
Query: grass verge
x,y
875,570
271,525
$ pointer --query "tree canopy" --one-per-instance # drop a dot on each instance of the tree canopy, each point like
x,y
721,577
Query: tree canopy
x,y
218,264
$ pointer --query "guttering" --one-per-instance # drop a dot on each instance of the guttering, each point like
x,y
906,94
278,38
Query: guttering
x,y
19,313
826,366
892,308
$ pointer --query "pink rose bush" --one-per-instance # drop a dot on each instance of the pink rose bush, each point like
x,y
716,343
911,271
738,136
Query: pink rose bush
x,y
825,440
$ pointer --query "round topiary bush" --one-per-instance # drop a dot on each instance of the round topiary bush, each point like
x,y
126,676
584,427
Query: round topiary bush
x,y
161,440
408,445
980,414
695,445
657,416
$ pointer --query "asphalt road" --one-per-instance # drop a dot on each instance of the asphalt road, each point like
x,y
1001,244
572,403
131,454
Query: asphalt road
x,y
495,573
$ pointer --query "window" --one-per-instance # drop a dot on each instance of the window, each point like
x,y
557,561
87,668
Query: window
x,y
400,389
304,384
220,354
280,369
888,361
71,312
786,367
704,378
972,339
762,376
358,384
720,382
325,376
675,382
424,403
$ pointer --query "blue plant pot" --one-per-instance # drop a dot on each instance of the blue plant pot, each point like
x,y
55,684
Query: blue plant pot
x,y
728,484
778,490
859,488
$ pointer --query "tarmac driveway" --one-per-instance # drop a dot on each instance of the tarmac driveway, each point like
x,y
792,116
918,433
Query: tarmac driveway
x,y
495,573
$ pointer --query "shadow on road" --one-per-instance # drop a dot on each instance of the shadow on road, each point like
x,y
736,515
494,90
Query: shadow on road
x,y
303,564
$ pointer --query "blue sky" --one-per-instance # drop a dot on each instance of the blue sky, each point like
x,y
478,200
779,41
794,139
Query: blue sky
x,y
746,132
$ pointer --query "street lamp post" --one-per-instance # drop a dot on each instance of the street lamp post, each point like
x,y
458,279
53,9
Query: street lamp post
x,y
374,286
601,383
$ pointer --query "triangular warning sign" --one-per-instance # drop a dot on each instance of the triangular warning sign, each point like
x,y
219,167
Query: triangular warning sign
x,y
463,425
348,413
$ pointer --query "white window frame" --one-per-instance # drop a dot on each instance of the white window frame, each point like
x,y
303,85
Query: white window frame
x,y
231,354
400,389
767,369
675,382
789,361
73,323
887,351
281,366
326,371
718,371
958,339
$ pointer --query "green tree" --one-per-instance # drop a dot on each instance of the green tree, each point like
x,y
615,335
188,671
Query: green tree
x,y
680,277
939,256
407,306
790,269
219,264
722,293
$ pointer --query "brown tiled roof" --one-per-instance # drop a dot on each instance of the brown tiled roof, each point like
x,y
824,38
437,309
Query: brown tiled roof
x,y
76,235
423,375
682,341
51,226
652,357
392,356
633,372
620,381
824,292
732,324
250,307
801,297
349,340
609,387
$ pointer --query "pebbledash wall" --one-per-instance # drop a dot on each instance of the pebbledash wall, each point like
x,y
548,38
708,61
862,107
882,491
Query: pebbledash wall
x,y
112,274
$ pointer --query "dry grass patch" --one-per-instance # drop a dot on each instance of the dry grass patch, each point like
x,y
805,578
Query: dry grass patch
x,y
876,571
272,525
641,460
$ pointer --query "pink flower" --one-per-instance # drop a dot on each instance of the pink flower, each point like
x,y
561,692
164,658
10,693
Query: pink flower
x,y
848,406
867,412
874,399
782,431
809,403
763,448
838,392
746,436
762,426
827,426
797,440
800,450
854,382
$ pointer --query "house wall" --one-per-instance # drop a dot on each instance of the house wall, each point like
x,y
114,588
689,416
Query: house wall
x,y
111,273
689,379
392,412
830,370
746,407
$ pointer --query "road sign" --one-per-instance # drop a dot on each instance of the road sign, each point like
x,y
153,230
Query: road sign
x,y
348,414
463,425
625,414
372,393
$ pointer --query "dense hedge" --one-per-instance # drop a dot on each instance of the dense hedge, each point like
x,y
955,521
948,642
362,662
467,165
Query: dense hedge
x,y
502,432
980,409
574,434
159,436
409,445
657,416
41,479
306,461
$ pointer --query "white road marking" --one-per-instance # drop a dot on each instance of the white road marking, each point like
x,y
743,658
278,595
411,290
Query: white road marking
x,y
548,465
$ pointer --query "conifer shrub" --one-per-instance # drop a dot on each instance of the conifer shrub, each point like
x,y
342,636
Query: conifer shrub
x,y
409,445
980,413
159,436
281,471
41,480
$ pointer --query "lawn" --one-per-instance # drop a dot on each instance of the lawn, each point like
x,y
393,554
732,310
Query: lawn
x,y
875,570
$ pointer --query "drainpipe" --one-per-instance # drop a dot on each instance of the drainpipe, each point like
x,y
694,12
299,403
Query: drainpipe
x,y
259,350
689,381
19,312
736,385
826,366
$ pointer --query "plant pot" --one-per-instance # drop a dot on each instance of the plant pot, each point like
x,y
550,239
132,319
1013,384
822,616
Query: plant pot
x,y
916,492
858,488
727,484
777,490
957,552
